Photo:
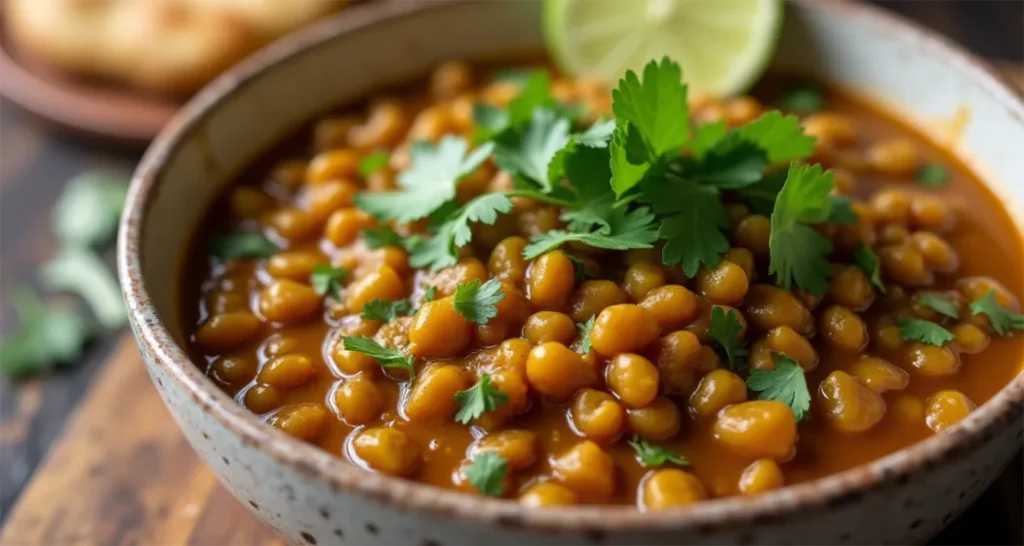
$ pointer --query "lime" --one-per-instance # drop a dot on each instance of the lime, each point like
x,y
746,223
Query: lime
x,y
722,45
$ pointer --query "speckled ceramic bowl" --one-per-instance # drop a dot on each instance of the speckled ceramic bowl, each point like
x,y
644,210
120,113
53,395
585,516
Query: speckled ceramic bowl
x,y
314,497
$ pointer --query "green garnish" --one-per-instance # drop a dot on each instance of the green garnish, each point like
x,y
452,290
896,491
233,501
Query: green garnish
x,y
1002,319
786,384
326,280
868,261
478,302
528,153
430,294
441,250
649,454
82,272
939,305
382,236
487,472
932,175
89,209
799,254
387,357
802,100
478,399
725,328
386,311
373,162
45,338
241,245
925,331
584,329
622,231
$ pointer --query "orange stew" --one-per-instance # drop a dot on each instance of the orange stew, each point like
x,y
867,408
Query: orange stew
x,y
591,375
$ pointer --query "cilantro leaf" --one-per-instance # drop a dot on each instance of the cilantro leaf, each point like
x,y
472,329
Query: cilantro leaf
x,y
622,230
798,253
705,136
435,252
932,175
82,272
535,94
842,211
477,302
627,169
781,137
1002,319
478,399
940,305
487,472
384,310
802,100
868,261
597,135
733,162
387,357
484,209
761,195
45,338
584,329
725,328
89,209
241,245
430,294
489,121
382,236
326,280
441,250
657,106
925,331
692,221
373,162
518,76
649,454
429,183
786,384
529,153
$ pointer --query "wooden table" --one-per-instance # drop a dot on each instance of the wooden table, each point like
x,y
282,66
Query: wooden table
x,y
116,471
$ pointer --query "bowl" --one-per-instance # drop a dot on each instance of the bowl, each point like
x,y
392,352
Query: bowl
x,y
315,497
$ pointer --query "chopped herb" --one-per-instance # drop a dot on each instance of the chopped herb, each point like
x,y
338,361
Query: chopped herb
x,y
82,272
598,135
430,294
584,329
387,357
241,245
842,211
799,254
529,152
781,137
487,473
478,302
940,305
932,175
868,261
725,328
382,236
88,211
441,250
656,107
326,280
649,454
45,338
786,384
1002,319
478,399
623,231
914,329
692,220
386,311
373,162
535,94
802,100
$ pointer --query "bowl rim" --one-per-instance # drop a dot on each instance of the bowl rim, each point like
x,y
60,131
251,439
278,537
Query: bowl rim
x,y
314,463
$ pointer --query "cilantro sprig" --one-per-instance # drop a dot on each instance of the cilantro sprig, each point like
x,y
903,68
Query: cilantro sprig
x,y
384,310
45,338
387,357
649,454
82,272
478,302
89,209
799,254
584,329
241,245
725,329
786,383
487,472
1002,319
868,262
925,331
478,399
941,306
326,280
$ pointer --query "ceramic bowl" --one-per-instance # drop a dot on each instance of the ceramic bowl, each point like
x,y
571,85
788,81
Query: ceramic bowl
x,y
315,497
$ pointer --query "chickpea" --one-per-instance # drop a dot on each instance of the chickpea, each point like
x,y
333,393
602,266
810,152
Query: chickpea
x,y
762,475
905,264
518,447
850,406
672,305
893,234
248,202
550,280
555,371
381,180
932,361
232,370
289,174
332,133
736,212
358,400
594,295
383,283
586,470
891,206
432,398
743,258
597,416
384,128
659,420
387,450
889,337
741,110
946,408
287,371
726,283
536,221
219,302
606,337
757,429
783,339
507,262
547,494
291,224
678,357
844,328
321,200
767,307
830,129
513,383
438,330
545,326
716,390
760,357
895,157
333,165
908,409
851,288
225,331
879,375
669,488
262,398
938,254
641,278
296,265
633,379
975,288
466,271
288,302
752,234
932,213
345,225
969,338
845,184
307,422
432,123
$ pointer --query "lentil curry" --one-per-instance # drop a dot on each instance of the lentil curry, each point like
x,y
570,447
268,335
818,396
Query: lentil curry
x,y
489,283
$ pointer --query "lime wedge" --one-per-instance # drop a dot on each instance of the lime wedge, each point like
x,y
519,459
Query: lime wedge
x,y
722,45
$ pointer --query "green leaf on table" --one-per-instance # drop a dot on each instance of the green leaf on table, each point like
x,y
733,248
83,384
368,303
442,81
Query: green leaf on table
x,y
786,383
1002,319
89,210
46,337
82,272
925,331
478,399
478,302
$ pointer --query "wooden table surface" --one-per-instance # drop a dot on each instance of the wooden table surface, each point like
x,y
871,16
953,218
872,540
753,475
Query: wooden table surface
x,y
95,484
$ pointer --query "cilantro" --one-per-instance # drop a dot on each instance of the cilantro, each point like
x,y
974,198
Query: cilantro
x,y
535,94
384,310
387,357
478,399
529,153
762,194
435,252
584,329
487,472
45,338
802,100
429,183
518,76
799,253
326,280
489,121
842,211
726,329
242,245
781,137
940,305
598,135
622,231
483,209
786,384
82,272
478,302
373,162
705,136
1002,319
733,162
441,250
932,175
649,454
692,221
657,106
629,162
89,209
430,294
868,261
914,329
382,236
